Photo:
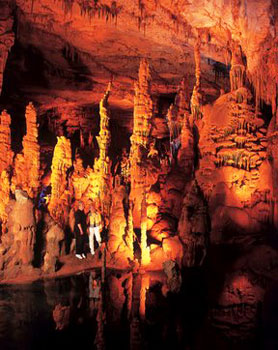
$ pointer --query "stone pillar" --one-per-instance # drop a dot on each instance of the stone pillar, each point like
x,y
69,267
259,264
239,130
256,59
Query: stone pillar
x,y
61,162
142,116
238,69
6,154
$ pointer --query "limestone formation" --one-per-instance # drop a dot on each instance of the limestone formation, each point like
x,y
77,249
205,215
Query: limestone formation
x,y
142,116
27,164
120,248
6,155
102,174
6,34
196,98
60,197
193,227
17,248
238,69
4,198
53,235
80,180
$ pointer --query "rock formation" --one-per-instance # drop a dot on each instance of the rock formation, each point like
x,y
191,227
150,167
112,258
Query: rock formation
x,y
60,197
4,198
53,236
238,69
17,248
6,34
142,116
193,227
102,175
27,164
196,98
6,158
120,244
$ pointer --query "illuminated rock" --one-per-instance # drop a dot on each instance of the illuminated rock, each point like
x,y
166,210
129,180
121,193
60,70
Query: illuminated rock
x,y
80,180
27,164
238,69
233,149
6,35
4,197
193,227
53,235
145,250
102,165
17,248
60,197
196,98
121,250
142,116
6,157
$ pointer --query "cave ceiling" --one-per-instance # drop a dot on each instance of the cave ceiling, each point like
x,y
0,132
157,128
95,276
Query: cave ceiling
x,y
66,51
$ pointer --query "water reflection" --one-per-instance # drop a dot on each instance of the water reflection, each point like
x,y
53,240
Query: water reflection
x,y
126,311
82,311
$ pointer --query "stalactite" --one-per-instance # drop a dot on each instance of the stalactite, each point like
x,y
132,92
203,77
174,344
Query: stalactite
x,y
91,10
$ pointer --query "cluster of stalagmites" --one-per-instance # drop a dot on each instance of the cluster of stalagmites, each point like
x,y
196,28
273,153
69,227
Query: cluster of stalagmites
x,y
213,166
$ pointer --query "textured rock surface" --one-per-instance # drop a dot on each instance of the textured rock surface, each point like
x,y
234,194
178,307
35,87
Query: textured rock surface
x,y
17,248
53,235
27,164
61,162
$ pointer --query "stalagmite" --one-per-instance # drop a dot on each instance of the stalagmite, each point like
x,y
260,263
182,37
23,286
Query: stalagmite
x,y
27,163
102,164
192,227
4,197
178,111
130,232
61,163
17,247
196,97
142,116
238,69
6,154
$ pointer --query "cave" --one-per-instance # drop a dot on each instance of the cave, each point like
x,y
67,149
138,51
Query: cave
x,y
138,174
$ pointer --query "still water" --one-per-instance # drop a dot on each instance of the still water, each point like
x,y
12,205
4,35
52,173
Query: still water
x,y
130,311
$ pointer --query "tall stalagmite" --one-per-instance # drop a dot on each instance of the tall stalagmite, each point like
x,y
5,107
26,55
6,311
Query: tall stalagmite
x,y
196,98
4,197
27,164
6,154
102,174
142,116
61,162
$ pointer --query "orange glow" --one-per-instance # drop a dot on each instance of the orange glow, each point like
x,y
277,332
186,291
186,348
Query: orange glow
x,y
145,284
